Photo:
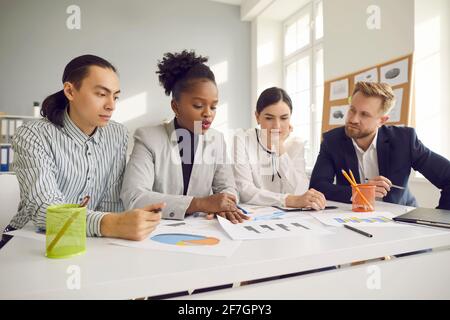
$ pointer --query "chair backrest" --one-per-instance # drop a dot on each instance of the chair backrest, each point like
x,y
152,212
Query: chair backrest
x,y
9,198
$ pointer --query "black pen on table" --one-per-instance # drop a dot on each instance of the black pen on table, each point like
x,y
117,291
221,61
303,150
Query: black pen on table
x,y
358,231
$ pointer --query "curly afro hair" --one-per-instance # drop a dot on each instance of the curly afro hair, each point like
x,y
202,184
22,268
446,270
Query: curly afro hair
x,y
177,70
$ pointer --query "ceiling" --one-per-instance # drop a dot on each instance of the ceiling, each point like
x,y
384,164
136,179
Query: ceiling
x,y
282,9
233,2
277,10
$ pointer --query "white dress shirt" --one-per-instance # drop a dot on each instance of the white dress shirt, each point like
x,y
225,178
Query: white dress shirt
x,y
264,178
367,160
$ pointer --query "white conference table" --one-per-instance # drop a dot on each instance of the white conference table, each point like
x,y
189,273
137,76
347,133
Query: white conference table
x,y
114,272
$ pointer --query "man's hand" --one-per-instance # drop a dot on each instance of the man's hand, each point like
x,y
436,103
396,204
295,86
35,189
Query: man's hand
x,y
134,224
383,186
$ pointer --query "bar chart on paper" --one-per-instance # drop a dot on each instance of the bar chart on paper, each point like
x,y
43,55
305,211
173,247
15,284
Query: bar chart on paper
x,y
259,213
378,219
183,239
357,219
273,228
270,216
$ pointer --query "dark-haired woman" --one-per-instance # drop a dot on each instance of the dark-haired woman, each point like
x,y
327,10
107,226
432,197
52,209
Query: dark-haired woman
x,y
76,151
183,163
269,164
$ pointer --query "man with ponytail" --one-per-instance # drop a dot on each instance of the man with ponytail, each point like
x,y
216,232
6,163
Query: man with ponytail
x,y
75,151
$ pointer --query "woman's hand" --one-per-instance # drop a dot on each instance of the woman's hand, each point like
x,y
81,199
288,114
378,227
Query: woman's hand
x,y
278,139
219,202
222,204
234,216
310,199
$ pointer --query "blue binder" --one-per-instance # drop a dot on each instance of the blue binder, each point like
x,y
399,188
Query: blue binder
x,y
4,158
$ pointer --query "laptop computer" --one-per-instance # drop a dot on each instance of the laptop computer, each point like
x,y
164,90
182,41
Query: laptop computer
x,y
426,216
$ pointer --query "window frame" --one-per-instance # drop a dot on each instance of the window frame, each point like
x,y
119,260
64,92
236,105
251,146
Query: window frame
x,y
309,50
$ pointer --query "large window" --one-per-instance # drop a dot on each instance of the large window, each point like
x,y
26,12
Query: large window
x,y
303,74
432,74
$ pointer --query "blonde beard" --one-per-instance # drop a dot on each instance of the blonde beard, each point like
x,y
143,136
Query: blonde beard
x,y
360,135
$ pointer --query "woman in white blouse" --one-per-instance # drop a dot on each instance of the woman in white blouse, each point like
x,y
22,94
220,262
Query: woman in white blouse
x,y
269,164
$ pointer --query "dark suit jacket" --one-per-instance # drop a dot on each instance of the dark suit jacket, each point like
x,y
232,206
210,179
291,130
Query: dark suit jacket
x,y
398,150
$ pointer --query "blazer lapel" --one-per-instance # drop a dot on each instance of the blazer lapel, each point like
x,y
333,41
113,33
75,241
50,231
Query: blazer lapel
x,y
383,153
351,161
176,178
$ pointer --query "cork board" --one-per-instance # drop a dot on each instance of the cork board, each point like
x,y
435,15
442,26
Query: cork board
x,y
397,73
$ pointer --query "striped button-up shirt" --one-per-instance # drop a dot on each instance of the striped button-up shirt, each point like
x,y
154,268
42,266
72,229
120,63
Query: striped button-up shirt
x,y
56,165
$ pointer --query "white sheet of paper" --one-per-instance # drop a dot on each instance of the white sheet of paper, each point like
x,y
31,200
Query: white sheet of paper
x,y
257,209
29,232
197,221
364,219
266,213
339,90
396,73
185,239
367,76
338,115
395,113
270,229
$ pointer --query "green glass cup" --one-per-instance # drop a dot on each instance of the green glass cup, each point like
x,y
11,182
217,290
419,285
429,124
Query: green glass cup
x,y
65,231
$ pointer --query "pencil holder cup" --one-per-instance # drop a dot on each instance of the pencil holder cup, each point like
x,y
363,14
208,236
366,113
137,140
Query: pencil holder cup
x,y
363,198
65,231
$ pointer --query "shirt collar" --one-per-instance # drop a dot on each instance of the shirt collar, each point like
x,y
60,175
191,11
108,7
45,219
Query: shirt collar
x,y
71,129
373,145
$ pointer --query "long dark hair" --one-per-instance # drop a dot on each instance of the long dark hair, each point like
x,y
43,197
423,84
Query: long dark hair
x,y
271,96
177,70
76,70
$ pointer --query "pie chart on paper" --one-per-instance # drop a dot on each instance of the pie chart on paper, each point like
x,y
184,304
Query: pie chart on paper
x,y
182,239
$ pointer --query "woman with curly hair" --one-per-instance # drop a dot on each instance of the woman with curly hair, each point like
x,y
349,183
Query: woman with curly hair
x,y
183,163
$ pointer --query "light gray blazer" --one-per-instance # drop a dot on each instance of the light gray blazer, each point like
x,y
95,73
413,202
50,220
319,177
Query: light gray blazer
x,y
154,172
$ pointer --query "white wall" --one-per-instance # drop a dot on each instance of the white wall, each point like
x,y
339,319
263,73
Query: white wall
x,y
350,46
36,45
269,57
266,58
427,195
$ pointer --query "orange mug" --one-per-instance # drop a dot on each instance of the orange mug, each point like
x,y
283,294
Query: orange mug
x,y
358,203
